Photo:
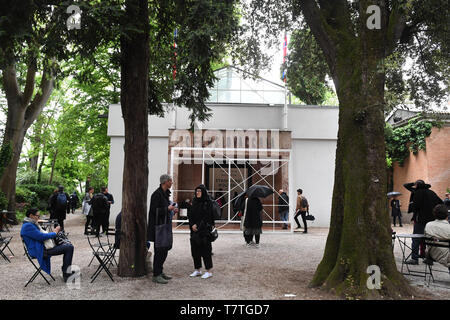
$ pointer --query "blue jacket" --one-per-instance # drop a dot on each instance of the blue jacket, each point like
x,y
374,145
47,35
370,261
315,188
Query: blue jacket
x,y
34,240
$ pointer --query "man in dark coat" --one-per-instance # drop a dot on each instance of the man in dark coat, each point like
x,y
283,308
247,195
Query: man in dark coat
x,y
283,207
99,204
160,207
73,201
424,200
59,204
110,198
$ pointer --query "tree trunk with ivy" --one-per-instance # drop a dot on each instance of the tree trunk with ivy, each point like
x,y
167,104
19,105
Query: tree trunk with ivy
x,y
134,102
360,233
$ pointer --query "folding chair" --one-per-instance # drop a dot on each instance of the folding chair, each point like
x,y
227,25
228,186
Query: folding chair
x,y
428,261
38,269
104,256
4,244
393,240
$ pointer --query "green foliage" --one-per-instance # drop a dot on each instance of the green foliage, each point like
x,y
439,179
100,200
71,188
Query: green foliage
x,y
307,68
408,138
24,195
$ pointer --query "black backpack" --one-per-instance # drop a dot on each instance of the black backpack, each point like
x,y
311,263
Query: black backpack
x,y
61,200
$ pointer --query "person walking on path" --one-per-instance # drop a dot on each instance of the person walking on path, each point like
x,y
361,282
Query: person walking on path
x,y
73,201
424,200
396,212
86,208
160,207
49,208
283,207
201,222
59,204
252,224
302,208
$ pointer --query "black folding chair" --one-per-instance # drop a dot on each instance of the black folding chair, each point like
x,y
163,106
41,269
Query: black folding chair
x,y
104,255
428,261
4,244
38,269
393,240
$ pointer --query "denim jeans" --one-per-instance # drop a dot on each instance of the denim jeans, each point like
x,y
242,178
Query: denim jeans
x,y
284,215
66,250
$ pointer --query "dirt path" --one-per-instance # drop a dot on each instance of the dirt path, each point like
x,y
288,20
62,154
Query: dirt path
x,y
284,264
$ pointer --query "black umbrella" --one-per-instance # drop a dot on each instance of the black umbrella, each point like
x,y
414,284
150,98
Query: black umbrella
x,y
259,191
239,201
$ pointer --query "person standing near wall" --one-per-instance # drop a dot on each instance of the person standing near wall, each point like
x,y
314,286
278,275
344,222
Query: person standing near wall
x,y
396,212
110,198
424,200
283,207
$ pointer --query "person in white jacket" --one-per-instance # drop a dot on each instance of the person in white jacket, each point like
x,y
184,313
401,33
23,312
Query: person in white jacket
x,y
86,208
439,229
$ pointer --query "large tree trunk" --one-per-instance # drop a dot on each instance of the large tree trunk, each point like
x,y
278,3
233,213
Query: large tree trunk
x,y
134,84
360,233
22,112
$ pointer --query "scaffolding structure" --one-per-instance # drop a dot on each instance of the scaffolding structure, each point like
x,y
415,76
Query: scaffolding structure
x,y
264,175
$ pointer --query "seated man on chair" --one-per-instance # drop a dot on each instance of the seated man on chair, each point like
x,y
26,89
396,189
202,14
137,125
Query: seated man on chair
x,y
34,238
439,229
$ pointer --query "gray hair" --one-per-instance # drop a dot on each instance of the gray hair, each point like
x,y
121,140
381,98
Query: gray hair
x,y
164,178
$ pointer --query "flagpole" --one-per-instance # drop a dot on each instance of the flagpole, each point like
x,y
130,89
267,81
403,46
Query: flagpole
x,y
285,109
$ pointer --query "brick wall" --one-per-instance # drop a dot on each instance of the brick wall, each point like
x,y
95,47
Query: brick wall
x,y
431,165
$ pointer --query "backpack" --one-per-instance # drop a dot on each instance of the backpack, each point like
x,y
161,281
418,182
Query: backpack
x,y
61,200
304,203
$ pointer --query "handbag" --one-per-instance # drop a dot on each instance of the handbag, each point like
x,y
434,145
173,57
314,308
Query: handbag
x,y
49,243
309,217
213,235
163,232
243,215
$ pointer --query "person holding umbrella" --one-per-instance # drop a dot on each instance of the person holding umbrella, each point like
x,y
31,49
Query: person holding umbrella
x,y
252,220
395,206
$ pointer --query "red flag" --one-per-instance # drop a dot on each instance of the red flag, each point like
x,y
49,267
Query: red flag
x,y
174,72
284,56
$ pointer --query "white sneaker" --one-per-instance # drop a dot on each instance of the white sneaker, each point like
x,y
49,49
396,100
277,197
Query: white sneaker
x,y
257,245
206,275
196,273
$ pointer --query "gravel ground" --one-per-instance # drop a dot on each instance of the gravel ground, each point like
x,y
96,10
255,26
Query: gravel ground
x,y
284,264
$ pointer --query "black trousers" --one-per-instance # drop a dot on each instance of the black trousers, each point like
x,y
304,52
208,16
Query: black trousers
x,y
204,251
159,259
303,213
61,223
249,238
88,222
100,221
419,228
399,220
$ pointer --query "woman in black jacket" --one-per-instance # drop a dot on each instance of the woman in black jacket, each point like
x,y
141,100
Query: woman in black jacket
x,y
201,222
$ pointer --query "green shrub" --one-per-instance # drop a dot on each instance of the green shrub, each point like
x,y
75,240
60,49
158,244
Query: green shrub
x,y
24,195
43,192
